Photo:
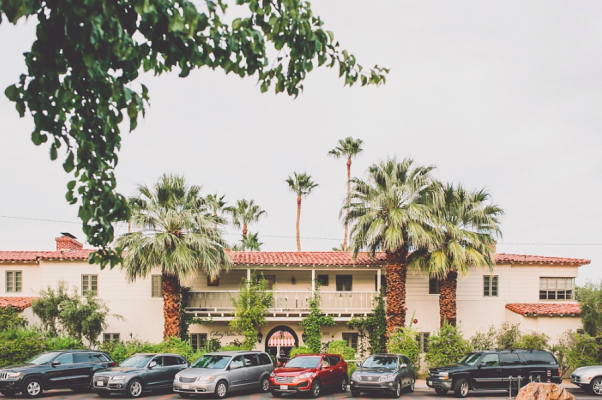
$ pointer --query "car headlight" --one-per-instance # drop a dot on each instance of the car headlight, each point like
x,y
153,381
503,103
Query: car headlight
x,y
356,377
272,375
13,375
204,378
118,378
303,376
444,374
385,378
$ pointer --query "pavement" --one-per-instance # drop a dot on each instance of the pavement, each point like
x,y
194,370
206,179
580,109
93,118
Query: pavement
x,y
421,392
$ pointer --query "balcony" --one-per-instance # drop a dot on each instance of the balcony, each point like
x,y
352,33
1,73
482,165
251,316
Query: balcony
x,y
288,305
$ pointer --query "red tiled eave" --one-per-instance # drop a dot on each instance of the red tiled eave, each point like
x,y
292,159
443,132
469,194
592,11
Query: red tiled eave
x,y
545,309
304,258
35,256
18,303
503,258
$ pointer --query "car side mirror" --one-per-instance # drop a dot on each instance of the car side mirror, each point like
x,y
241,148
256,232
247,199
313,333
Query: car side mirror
x,y
481,365
283,364
55,363
404,366
152,364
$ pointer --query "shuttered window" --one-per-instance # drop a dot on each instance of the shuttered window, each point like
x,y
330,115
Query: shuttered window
x,y
89,283
157,283
556,288
433,286
111,337
14,281
490,285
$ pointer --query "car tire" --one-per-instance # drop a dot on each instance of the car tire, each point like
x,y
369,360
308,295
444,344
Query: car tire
x,y
397,393
355,393
441,392
221,389
32,388
276,394
343,384
461,388
135,388
264,385
595,386
316,388
412,384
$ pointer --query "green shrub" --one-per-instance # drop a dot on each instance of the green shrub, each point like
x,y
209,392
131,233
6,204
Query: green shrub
x,y
300,350
533,340
351,367
446,346
9,319
63,343
402,340
583,350
19,345
230,348
484,340
340,347
375,324
507,336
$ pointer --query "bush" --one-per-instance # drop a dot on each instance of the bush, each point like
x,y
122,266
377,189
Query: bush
x,y
446,346
375,324
300,350
583,350
19,345
340,347
508,335
484,340
533,340
9,319
230,348
402,340
119,351
351,369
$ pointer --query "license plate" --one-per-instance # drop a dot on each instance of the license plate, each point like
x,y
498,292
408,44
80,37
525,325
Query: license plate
x,y
283,387
100,383
185,386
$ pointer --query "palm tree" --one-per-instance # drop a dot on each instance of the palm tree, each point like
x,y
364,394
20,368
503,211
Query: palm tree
x,y
391,211
176,234
349,148
251,243
468,229
302,185
244,213
217,205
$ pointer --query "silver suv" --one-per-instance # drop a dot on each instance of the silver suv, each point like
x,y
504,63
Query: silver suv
x,y
224,371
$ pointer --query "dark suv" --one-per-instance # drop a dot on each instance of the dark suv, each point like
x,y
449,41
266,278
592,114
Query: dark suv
x,y
494,370
62,369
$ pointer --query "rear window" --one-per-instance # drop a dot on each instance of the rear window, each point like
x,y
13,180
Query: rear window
x,y
264,359
539,357
99,357
82,358
334,360
509,359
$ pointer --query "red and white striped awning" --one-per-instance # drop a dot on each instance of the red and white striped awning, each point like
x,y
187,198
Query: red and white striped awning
x,y
282,339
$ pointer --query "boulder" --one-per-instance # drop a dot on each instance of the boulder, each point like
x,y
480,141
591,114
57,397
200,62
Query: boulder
x,y
544,391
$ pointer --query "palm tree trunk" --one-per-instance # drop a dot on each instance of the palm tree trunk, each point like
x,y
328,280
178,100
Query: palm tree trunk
x,y
298,217
244,236
171,306
348,193
447,298
397,270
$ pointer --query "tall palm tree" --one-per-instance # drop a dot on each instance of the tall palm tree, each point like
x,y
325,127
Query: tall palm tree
x,y
217,205
251,243
468,227
244,213
302,186
176,234
349,148
391,211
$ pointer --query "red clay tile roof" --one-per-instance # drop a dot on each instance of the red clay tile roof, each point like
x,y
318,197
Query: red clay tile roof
x,y
502,258
303,258
34,256
18,303
549,309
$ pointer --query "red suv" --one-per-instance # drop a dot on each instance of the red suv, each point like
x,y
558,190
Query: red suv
x,y
309,373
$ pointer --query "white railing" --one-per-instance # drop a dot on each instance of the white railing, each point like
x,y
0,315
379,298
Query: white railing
x,y
286,301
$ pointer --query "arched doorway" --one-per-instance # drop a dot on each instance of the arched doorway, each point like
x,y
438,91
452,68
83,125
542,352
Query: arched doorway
x,y
283,337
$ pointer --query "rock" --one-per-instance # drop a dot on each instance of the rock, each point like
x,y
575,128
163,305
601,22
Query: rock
x,y
544,391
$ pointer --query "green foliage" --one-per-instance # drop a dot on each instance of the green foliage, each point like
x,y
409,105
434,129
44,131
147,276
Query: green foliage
x,y
9,319
252,307
402,340
375,324
80,70
446,346
508,335
230,348
351,368
46,307
313,323
249,243
484,340
340,347
119,351
560,349
583,350
533,340
300,350
590,300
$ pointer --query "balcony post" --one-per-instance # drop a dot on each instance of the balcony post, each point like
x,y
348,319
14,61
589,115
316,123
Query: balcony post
x,y
313,281
248,277
378,273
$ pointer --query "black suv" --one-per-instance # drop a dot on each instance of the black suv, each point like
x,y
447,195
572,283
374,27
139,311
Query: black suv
x,y
70,369
494,370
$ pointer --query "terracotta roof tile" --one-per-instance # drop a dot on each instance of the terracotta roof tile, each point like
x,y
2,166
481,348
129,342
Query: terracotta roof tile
x,y
549,309
18,303
34,256
303,258
527,259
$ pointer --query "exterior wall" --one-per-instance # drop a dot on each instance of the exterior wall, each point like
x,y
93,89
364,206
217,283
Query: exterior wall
x,y
30,279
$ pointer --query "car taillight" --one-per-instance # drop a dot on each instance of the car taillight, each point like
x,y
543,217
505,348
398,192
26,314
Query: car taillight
x,y
113,364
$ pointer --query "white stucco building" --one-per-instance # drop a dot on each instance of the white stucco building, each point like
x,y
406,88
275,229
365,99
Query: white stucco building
x,y
536,291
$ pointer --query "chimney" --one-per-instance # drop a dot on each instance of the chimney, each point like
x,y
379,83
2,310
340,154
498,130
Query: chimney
x,y
67,242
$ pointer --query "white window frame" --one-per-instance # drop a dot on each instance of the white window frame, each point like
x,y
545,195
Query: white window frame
x,y
88,286
488,285
197,339
556,285
13,287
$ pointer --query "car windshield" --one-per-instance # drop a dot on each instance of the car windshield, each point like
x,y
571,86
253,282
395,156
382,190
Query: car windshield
x,y
470,359
43,358
211,361
135,361
380,362
303,362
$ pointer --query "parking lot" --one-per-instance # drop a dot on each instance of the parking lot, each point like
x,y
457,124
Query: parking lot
x,y
421,393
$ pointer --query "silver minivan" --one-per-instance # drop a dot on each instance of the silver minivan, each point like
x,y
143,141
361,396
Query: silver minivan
x,y
225,371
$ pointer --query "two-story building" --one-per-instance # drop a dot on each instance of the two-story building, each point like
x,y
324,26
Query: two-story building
x,y
538,292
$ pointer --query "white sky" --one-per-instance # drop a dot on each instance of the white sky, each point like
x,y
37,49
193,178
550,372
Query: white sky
x,y
503,95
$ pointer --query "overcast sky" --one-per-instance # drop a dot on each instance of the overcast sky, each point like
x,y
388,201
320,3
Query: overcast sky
x,y
502,95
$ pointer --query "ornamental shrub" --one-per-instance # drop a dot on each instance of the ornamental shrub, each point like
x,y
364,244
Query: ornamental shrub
x,y
402,340
507,336
484,340
313,323
340,347
300,350
533,340
446,346
582,350
375,324
9,319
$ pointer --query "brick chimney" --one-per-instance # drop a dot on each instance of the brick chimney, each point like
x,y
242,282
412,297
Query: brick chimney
x,y
67,242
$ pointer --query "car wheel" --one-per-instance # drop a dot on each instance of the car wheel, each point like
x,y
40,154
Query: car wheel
x,y
135,388
344,383
265,385
32,388
221,389
461,388
397,392
315,390
276,394
596,386
355,393
412,384
441,392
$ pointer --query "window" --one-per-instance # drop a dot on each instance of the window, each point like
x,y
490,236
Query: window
x,y
491,360
236,363
539,357
66,358
383,283
344,283
322,280
490,285
433,286
198,340
82,358
556,288
157,286
264,359
99,358
212,281
89,283
351,339
405,360
423,341
250,360
271,281
13,281
334,360
169,361
111,337
509,359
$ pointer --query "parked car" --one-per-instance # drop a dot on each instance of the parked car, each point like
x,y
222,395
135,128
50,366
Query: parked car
x,y
389,373
589,379
309,373
139,373
492,369
225,371
61,369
